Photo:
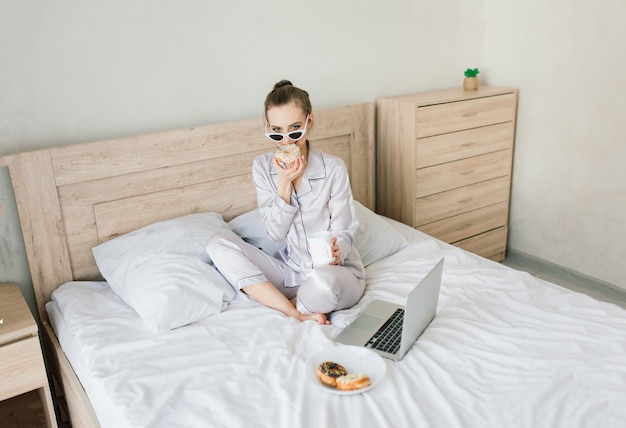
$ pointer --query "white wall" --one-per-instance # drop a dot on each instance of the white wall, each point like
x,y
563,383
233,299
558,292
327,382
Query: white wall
x,y
74,71
569,183
88,70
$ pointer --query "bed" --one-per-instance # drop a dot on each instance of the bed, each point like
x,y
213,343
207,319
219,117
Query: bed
x,y
505,349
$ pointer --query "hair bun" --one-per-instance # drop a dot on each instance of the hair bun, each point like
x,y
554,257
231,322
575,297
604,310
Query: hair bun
x,y
284,93
282,83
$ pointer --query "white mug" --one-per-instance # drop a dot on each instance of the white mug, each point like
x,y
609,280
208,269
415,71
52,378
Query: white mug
x,y
321,248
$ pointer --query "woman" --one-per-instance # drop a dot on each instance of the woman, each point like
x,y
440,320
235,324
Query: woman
x,y
296,199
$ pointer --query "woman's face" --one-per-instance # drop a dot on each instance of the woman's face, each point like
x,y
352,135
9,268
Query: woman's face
x,y
288,118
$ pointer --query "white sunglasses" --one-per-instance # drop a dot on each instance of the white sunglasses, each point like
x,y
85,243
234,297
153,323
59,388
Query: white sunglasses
x,y
277,137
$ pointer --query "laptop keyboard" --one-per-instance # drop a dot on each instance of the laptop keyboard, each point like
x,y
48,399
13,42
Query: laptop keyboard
x,y
388,336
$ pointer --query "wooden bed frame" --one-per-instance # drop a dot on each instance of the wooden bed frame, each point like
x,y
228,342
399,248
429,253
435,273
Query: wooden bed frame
x,y
72,198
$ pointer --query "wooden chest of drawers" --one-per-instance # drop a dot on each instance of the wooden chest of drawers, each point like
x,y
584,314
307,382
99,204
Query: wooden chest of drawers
x,y
444,164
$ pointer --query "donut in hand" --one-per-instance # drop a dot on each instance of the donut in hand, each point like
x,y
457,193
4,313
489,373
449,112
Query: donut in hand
x,y
288,153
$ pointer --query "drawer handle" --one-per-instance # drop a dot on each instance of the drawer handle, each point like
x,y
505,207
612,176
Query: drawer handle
x,y
470,114
470,172
470,144
464,226
466,200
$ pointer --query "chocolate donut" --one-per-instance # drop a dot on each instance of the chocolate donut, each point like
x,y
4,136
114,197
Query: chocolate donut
x,y
328,372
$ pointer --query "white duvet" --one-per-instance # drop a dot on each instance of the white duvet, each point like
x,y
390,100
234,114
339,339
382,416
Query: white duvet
x,y
505,350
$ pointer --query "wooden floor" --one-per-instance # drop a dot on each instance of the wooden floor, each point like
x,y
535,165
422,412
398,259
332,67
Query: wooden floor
x,y
599,291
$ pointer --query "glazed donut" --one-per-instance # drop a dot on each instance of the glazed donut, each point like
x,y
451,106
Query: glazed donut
x,y
328,372
353,381
288,153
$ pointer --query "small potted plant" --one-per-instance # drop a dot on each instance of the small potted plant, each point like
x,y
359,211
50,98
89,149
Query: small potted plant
x,y
471,82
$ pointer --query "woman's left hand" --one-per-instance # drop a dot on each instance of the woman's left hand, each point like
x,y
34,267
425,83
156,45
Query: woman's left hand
x,y
336,252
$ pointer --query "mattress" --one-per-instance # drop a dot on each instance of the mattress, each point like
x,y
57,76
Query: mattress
x,y
505,349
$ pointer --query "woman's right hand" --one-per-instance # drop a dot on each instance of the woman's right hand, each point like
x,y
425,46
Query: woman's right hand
x,y
291,171
286,176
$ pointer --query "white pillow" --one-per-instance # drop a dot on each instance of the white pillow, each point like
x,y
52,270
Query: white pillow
x,y
249,226
162,270
375,238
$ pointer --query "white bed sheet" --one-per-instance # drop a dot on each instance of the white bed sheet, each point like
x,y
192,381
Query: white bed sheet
x,y
505,350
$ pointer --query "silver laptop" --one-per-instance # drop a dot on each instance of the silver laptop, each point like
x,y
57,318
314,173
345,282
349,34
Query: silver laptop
x,y
390,329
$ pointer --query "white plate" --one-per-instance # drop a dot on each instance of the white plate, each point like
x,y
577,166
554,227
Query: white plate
x,y
355,359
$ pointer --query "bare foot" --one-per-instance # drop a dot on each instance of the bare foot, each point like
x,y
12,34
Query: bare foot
x,y
320,318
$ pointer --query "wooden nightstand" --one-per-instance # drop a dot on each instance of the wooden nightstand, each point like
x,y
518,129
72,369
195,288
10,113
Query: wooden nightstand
x,y
22,367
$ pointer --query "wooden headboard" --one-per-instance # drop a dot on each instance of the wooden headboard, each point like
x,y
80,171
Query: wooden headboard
x,y
72,198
